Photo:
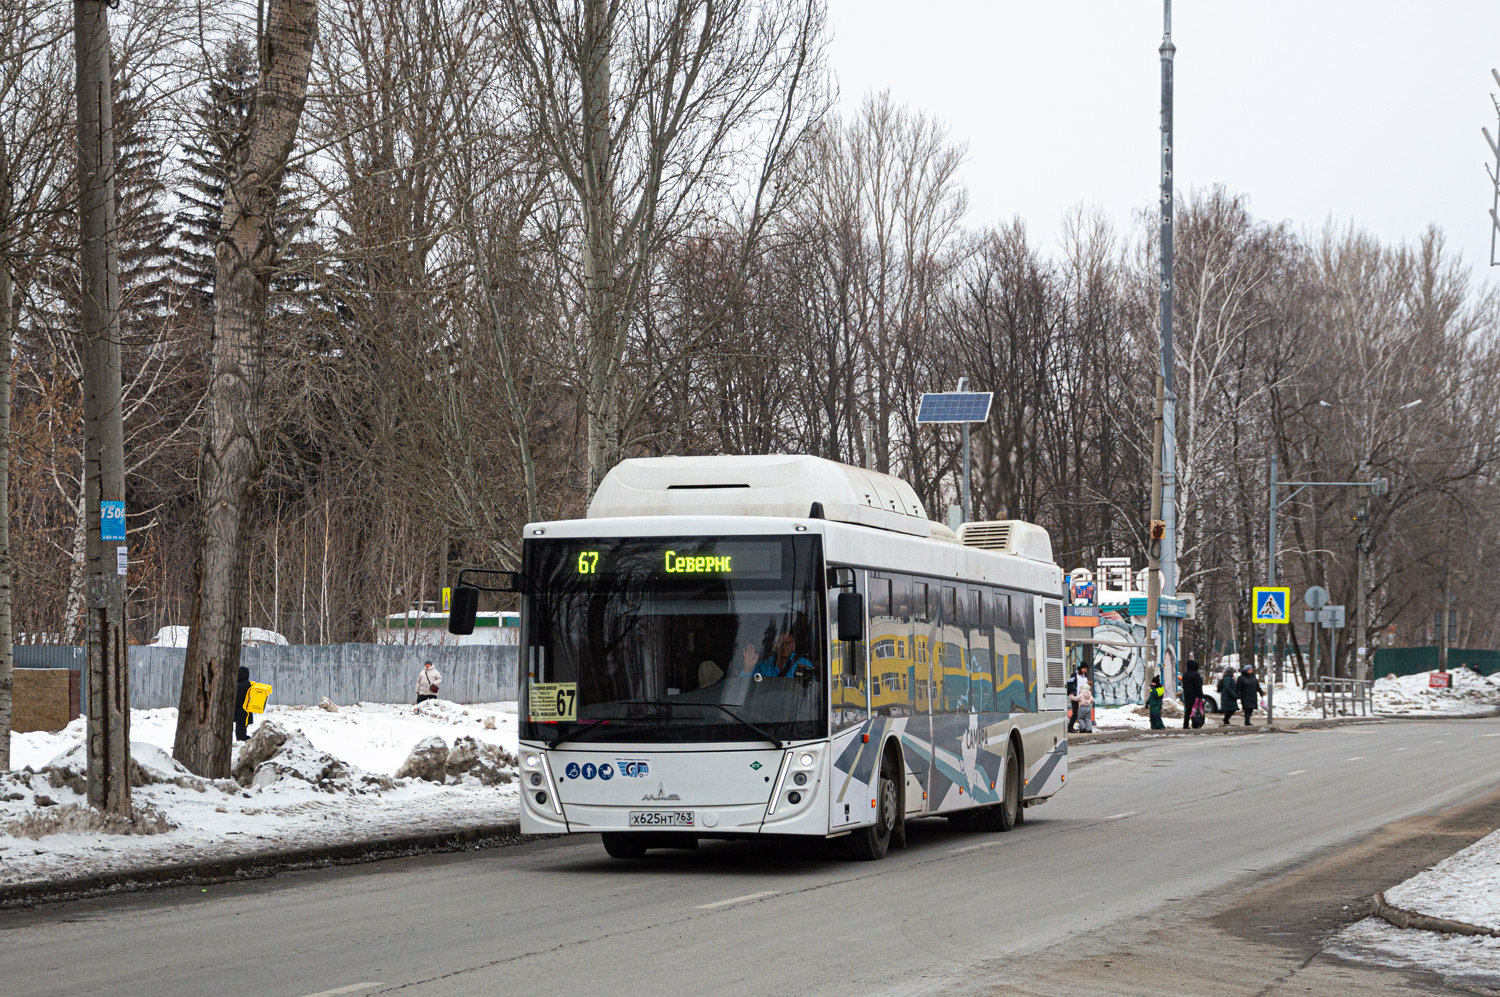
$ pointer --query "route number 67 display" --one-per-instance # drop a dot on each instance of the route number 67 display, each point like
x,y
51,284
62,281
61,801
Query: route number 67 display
x,y
553,701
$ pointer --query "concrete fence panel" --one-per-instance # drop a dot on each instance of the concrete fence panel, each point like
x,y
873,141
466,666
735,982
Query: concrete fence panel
x,y
302,674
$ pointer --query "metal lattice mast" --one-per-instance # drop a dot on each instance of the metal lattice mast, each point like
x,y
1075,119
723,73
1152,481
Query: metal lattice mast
x,y
1169,407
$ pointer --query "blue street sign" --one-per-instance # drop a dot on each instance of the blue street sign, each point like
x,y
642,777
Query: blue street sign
x,y
111,521
1269,605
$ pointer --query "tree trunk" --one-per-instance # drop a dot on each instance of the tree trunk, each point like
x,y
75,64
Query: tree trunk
x,y
6,680
230,459
600,250
104,438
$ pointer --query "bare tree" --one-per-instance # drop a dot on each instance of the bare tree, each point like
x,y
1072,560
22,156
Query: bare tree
x,y
231,462
646,110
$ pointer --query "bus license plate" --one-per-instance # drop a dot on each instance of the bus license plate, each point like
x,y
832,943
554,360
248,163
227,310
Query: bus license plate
x,y
661,818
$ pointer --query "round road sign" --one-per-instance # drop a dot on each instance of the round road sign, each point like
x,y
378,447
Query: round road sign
x,y
1315,597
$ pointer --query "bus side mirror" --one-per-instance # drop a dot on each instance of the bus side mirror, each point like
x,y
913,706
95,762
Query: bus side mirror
x,y
462,610
851,616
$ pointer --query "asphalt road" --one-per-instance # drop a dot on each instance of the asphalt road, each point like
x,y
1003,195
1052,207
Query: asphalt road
x,y
1144,831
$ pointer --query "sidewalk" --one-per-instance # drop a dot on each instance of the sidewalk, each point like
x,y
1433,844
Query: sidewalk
x,y
1214,728
1445,920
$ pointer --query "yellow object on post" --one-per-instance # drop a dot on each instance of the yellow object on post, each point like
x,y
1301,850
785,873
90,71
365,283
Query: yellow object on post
x,y
255,699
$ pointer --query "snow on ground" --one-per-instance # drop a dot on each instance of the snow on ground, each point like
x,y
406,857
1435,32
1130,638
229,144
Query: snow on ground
x,y
1463,887
1462,960
351,756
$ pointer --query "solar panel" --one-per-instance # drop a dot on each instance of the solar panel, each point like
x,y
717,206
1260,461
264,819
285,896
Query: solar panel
x,y
955,406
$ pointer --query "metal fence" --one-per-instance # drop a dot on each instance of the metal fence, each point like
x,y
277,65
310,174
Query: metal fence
x,y
302,674
1412,660
1342,697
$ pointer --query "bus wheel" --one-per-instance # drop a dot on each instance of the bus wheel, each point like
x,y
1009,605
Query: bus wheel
x,y
1004,815
869,843
620,845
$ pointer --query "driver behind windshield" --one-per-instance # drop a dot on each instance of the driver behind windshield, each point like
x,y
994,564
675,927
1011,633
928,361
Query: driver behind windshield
x,y
783,661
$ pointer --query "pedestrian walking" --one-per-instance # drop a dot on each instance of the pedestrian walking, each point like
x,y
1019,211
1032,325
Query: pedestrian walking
x,y
1249,691
1154,700
242,719
428,681
1192,696
1228,696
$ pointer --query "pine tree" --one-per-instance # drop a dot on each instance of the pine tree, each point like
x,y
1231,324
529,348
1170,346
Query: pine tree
x,y
217,125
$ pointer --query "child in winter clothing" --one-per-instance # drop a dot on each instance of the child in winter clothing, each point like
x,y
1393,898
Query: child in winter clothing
x,y
1157,693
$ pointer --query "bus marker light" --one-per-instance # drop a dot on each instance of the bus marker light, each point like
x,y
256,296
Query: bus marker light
x,y
872,804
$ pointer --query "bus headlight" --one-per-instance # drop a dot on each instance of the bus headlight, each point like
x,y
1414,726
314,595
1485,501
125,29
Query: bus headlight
x,y
806,760
532,761
800,778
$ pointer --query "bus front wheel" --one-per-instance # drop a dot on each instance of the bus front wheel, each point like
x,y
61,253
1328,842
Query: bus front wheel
x,y
869,843
620,845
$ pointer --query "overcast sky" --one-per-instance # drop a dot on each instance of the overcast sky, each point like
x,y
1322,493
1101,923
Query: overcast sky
x,y
1352,109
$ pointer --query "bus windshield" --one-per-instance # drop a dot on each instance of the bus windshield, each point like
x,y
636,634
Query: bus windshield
x,y
674,639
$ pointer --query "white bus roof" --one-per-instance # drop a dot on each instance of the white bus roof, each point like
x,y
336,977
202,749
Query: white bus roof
x,y
781,485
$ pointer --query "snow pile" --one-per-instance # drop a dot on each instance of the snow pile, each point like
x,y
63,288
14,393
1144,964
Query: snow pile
x,y
306,777
1137,717
1462,887
1469,693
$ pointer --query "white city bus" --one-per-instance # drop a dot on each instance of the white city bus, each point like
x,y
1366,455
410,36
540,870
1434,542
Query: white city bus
x,y
737,646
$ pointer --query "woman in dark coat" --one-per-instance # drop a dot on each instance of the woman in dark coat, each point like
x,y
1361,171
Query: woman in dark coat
x,y
1249,690
241,718
1192,693
1228,696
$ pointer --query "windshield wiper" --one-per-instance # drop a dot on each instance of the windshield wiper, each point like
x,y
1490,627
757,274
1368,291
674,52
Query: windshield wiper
x,y
741,721
574,734
776,741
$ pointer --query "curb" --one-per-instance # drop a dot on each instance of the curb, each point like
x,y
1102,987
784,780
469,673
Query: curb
x,y
260,865
1403,918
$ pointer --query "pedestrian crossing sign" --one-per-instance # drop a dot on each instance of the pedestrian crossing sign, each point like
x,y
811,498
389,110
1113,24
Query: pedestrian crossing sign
x,y
1269,605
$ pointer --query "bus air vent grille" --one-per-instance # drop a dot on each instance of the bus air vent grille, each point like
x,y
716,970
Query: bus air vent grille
x,y
986,536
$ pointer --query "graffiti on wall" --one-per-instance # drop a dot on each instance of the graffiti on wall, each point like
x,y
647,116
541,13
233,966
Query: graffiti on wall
x,y
1122,662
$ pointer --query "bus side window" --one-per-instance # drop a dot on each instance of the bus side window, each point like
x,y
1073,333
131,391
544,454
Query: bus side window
x,y
880,596
950,670
1024,626
924,635
889,642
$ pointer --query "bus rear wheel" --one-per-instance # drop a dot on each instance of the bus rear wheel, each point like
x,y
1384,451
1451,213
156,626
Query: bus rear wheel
x,y
870,843
1006,814
620,845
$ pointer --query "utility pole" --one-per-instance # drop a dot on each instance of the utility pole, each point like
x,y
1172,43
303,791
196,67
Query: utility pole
x,y
963,385
1162,546
103,429
1361,621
